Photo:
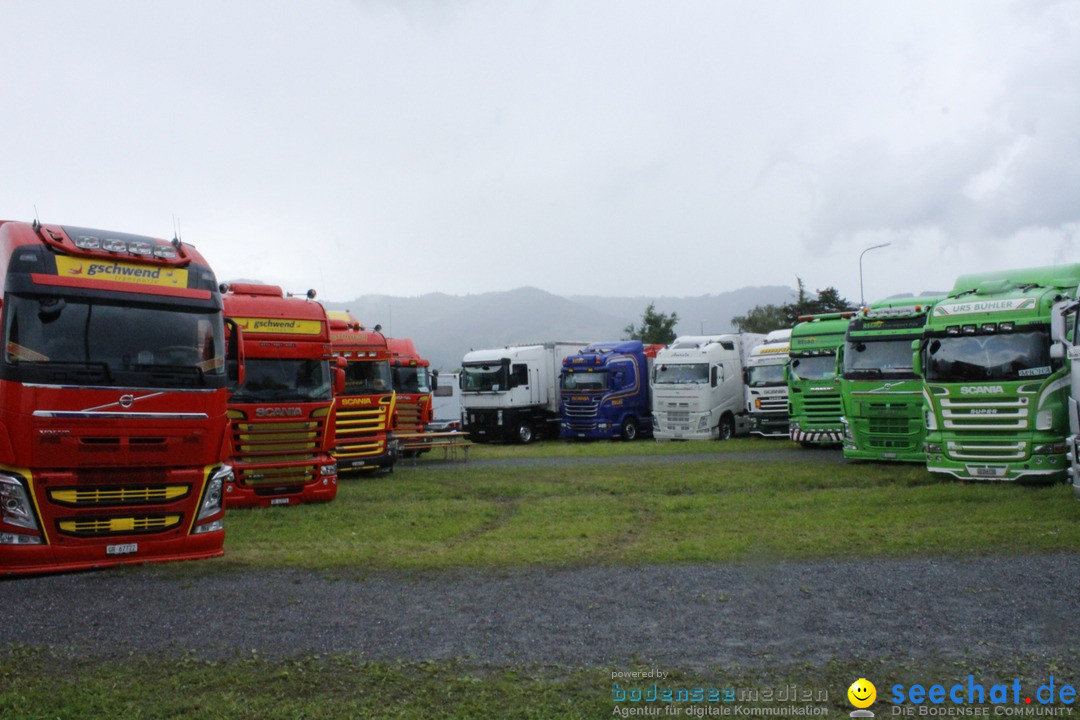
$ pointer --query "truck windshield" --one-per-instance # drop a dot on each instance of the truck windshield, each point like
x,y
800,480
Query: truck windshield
x,y
816,367
95,342
1000,356
766,375
585,380
681,374
485,378
411,379
877,358
368,377
280,380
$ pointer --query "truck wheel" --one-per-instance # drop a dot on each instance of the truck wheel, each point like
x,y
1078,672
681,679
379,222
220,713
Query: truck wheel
x,y
629,429
726,428
525,434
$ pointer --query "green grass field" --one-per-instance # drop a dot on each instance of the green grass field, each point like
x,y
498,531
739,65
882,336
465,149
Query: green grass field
x,y
711,508
593,504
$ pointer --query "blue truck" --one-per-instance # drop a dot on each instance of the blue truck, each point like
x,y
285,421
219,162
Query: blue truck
x,y
605,391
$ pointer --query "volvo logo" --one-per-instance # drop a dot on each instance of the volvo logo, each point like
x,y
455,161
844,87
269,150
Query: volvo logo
x,y
127,401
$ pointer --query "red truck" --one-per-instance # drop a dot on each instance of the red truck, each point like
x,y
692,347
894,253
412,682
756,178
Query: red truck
x,y
113,394
364,411
281,425
413,383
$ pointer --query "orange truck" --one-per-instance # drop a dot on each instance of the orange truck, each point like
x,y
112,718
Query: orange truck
x,y
281,415
113,393
413,383
364,410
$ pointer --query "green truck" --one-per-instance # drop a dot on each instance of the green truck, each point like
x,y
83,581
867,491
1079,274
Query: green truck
x,y
814,405
881,394
995,379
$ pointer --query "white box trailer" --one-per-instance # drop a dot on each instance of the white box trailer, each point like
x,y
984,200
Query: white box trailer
x,y
698,387
512,393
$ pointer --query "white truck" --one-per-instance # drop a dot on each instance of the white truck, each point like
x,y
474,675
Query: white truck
x,y
512,393
697,385
766,389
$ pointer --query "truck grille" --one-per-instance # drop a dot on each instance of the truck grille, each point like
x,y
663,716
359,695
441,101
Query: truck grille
x,y
97,496
987,450
277,452
774,403
99,527
981,414
361,432
409,414
581,410
823,408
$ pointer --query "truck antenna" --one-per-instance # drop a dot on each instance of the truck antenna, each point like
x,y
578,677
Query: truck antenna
x,y
36,223
176,230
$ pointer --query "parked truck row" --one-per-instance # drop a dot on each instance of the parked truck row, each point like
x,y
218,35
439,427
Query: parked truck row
x,y
139,398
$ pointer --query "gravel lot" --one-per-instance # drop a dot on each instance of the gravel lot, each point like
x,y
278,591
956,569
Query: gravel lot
x,y
686,616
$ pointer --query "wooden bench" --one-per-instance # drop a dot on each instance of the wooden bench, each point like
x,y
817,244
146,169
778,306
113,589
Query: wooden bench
x,y
451,443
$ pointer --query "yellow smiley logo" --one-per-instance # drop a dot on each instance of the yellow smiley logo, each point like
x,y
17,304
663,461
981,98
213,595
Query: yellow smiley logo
x,y
862,693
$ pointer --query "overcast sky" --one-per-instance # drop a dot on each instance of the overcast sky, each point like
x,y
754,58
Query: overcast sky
x,y
615,147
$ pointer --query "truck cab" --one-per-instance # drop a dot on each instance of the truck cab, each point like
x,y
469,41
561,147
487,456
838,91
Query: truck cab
x,y
995,376
814,403
881,394
605,391
364,410
697,385
280,415
766,390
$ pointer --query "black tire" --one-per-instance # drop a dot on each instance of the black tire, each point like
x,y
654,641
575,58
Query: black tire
x,y
629,429
525,434
726,428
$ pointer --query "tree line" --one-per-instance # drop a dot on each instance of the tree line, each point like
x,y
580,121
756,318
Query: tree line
x,y
658,327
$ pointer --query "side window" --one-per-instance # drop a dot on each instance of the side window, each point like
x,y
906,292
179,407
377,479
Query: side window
x,y
520,375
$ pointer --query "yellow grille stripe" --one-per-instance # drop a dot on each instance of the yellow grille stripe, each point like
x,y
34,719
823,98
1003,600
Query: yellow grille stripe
x,y
102,496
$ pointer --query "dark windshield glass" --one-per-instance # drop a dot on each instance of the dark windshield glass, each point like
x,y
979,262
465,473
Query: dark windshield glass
x,y
92,342
585,380
878,358
681,373
480,378
280,380
1001,356
368,378
818,367
411,379
766,375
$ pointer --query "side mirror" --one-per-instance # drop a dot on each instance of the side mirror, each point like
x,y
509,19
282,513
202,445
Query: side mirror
x,y
916,357
339,381
234,355
1057,321
434,380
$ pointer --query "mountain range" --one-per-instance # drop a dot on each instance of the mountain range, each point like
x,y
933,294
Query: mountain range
x,y
445,327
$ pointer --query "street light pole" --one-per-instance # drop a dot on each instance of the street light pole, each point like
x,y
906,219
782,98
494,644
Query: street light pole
x,y
862,298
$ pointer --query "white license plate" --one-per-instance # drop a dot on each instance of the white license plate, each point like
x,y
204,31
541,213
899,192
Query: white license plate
x,y
279,501
988,471
124,549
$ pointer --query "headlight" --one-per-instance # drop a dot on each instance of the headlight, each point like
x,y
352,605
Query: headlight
x,y
1050,449
330,469
15,508
212,495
